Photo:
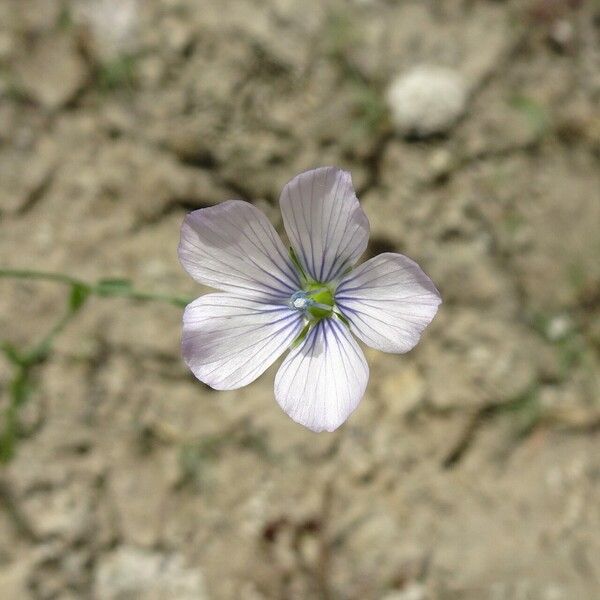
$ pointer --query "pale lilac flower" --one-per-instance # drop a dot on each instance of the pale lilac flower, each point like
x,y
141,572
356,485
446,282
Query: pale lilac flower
x,y
309,300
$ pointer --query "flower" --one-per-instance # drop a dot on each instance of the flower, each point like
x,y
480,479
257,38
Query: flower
x,y
310,300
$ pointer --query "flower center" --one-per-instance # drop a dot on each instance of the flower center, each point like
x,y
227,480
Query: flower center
x,y
316,301
300,301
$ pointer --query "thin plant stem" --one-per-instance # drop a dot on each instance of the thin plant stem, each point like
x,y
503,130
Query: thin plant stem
x,y
20,386
102,288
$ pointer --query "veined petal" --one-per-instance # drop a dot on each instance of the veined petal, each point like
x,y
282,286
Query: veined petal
x,y
327,227
233,247
322,381
388,301
228,340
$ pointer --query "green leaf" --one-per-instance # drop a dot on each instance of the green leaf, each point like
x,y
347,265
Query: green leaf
x,y
79,294
7,445
113,287
20,388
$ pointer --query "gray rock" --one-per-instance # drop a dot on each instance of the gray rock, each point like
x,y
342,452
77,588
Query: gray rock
x,y
414,591
112,26
427,100
130,573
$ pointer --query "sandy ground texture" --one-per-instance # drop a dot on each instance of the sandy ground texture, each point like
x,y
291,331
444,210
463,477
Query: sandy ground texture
x,y
471,470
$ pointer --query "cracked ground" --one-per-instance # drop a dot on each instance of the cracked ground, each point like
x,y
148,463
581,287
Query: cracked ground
x,y
471,469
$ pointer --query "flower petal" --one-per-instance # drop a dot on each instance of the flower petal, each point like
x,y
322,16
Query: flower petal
x,y
389,301
326,226
234,247
228,340
322,381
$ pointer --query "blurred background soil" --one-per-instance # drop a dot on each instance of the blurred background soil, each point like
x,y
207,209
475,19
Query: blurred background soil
x,y
471,470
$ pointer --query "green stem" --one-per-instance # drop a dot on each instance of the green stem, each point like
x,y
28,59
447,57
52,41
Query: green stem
x,y
46,276
42,349
23,362
179,301
19,391
21,386
99,289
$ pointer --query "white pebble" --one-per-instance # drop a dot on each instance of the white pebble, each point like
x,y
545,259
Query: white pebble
x,y
427,100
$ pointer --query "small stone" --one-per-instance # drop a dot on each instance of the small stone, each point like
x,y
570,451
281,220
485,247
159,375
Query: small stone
x,y
132,573
562,35
413,591
112,26
188,144
52,72
427,100
440,164
559,328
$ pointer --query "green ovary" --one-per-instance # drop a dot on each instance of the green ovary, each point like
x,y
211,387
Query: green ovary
x,y
323,297
317,302
316,299
320,300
